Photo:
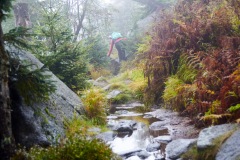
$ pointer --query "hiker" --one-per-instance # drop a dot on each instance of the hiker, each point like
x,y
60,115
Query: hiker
x,y
117,40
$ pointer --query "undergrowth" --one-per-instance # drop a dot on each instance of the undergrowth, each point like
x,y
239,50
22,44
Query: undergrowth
x,y
95,105
196,45
79,143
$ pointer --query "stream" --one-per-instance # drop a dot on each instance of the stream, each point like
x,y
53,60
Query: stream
x,y
145,135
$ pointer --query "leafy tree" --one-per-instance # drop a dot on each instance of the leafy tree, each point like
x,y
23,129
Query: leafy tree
x,y
6,137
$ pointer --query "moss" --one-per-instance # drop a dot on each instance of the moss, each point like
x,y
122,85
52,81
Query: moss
x,y
48,113
208,153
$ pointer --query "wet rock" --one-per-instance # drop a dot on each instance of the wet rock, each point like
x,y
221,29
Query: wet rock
x,y
153,147
160,125
129,106
112,117
114,66
107,136
208,135
129,153
133,158
124,127
100,82
177,147
121,112
147,116
95,130
163,139
230,149
42,123
143,154
113,94
159,157
107,87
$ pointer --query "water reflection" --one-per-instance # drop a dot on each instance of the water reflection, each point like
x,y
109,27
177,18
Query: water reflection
x,y
141,136
138,140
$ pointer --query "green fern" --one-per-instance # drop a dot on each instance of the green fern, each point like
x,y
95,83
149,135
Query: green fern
x,y
171,88
186,72
234,108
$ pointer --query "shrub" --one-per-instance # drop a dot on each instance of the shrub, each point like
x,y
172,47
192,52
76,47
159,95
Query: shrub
x,y
121,98
76,147
95,103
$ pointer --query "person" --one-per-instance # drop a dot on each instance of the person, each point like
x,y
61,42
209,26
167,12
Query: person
x,y
117,40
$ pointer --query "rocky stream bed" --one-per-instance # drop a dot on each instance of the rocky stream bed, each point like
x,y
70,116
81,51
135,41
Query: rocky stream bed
x,y
136,135
164,135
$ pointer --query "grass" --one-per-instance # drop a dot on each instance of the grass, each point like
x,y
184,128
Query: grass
x,y
132,83
95,104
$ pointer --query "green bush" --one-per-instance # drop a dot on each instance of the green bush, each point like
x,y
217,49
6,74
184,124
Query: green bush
x,y
95,103
121,98
76,147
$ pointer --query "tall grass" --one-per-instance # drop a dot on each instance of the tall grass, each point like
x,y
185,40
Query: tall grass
x,y
95,103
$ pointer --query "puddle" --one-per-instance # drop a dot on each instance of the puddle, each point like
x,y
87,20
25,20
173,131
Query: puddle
x,y
141,136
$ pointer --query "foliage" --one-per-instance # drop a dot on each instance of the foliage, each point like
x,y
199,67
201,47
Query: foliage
x,y
80,125
198,43
215,118
121,98
171,89
132,83
17,37
71,148
5,7
234,108
33,84
185,71
97,52
54,47
95,103
96,72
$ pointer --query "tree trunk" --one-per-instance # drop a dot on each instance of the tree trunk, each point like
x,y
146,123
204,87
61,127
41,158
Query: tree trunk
x,y
6,138
21,15
80,20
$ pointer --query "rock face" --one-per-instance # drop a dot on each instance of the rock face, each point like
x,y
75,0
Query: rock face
x,y
208,135
42,123
230,150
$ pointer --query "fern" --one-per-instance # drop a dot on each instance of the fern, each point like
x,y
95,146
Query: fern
x,y
214,118
186,72
234,108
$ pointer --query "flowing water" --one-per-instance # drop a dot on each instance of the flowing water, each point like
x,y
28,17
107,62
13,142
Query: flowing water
x,y
128,143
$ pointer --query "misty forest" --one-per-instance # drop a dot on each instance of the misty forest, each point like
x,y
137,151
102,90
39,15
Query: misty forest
x,y
119,79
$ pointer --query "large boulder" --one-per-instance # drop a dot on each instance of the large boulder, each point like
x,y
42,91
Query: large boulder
x,y
208,135
42,123
230,150
177,147
107,136
153,147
